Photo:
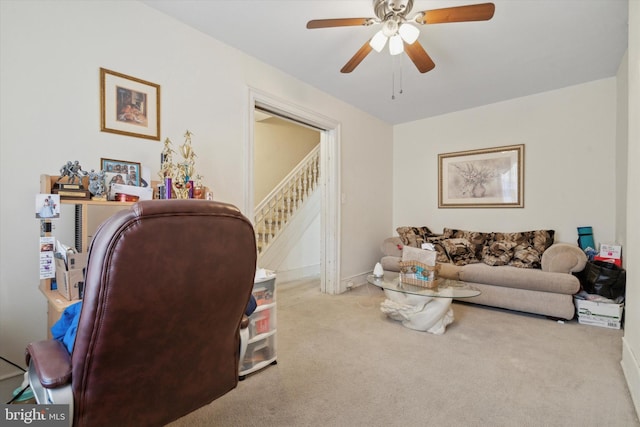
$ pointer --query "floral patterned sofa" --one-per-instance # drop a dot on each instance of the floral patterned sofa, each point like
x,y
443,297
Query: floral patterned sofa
x,y
523,271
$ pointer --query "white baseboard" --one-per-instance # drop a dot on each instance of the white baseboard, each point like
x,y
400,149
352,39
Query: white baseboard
x,y
631,373
297,273
353,281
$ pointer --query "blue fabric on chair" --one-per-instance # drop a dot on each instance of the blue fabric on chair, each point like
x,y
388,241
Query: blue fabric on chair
x,y
64,330
251,307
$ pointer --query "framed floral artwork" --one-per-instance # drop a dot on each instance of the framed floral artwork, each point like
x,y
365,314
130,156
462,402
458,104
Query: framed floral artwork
x,y
129,106
485,178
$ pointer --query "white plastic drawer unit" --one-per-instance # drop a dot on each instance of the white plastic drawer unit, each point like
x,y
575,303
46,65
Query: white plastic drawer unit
x,y
261,347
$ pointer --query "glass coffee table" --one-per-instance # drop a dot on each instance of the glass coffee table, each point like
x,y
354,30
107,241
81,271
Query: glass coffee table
x,y
421,308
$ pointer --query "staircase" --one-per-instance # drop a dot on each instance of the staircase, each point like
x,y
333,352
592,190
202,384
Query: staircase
x,y
279,207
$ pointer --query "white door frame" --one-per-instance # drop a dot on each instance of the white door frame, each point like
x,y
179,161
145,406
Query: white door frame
x,y
329,178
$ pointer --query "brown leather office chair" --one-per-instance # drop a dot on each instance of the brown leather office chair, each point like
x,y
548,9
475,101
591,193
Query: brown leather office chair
x,y
167,283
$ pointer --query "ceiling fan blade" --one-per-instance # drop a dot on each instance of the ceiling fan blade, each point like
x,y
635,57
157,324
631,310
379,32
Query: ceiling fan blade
x,y
357,58
474,12
419,56
342,22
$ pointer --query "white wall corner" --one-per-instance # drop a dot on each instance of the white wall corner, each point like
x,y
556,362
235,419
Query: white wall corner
x,y
631,370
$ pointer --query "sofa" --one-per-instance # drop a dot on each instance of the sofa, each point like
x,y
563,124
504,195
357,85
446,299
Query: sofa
x,y
522,271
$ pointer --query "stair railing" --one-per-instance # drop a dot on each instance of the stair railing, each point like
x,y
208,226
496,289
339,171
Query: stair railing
x,y
276,210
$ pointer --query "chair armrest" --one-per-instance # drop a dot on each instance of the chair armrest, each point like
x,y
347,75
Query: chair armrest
x,y
51,361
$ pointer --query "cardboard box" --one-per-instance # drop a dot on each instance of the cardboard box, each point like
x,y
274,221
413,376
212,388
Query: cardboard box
x,y
610,251
70,276
606,315
144,193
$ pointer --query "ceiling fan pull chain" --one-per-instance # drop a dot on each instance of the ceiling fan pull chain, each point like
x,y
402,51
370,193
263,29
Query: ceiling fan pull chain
x,y
393,85
396,67
400,73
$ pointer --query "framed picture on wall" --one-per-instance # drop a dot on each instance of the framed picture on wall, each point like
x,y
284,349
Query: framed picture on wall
x,y
129,106
485,178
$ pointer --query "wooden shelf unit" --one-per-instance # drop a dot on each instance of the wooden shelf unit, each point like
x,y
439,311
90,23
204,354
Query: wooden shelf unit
x,y
47,183
56,303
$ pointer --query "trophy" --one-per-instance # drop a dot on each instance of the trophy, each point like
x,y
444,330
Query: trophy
x,y
69,185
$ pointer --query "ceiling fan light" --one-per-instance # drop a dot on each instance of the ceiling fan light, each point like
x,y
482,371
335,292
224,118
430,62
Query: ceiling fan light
x,y
378,41
395,45
409,33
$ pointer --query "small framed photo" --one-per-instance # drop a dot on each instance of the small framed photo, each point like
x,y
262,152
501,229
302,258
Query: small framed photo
x,y
120,172
47,206
129,106
485,178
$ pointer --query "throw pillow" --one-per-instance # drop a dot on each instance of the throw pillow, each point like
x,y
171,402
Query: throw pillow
x,y
460,251
436,241
521,238
475,238
498,253
526,257
414,236
521,255
529,246
542,239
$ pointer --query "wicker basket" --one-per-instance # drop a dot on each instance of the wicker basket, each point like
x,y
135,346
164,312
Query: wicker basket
x,y
419,274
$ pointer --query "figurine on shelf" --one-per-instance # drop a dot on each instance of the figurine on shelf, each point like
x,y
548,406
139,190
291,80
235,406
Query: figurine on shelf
x,y
97,184
66,185
72,171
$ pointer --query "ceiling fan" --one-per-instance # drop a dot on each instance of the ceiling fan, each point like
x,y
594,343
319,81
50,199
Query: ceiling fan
x,y
398,29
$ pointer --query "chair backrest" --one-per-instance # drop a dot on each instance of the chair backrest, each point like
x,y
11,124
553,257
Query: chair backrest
x,y
166,286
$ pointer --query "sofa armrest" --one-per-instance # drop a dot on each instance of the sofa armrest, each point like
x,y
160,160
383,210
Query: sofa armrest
x,y
392,246
563,258
51,361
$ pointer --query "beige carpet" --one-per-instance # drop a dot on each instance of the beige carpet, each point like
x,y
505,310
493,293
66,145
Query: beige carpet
x,y
342,363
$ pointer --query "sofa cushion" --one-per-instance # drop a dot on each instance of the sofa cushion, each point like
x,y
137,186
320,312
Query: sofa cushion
x,y
414,236
513,277
460,251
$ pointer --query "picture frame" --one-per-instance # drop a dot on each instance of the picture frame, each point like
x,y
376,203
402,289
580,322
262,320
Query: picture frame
x,y
120,172
484,178
129,106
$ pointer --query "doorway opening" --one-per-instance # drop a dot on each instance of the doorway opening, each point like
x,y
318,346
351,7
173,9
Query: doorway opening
x,y
329,180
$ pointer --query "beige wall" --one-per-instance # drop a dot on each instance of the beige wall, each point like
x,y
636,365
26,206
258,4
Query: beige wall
x,y
279,146
569,137
51,53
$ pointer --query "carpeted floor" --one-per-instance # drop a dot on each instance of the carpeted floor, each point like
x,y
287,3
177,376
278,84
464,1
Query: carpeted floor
x,y
341,362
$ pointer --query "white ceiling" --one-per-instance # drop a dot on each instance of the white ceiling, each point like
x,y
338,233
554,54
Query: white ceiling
x,y
529,46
